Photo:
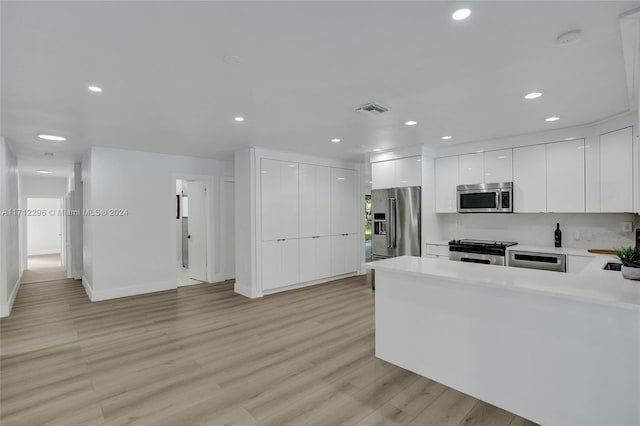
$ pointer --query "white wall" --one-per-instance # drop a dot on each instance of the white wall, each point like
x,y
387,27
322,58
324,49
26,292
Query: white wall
x,y
245,211
43,186
74,225
9,237
135,253
87,221
44,231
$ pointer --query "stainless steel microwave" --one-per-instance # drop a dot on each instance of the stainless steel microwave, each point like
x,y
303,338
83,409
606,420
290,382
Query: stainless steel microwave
x,y
486,198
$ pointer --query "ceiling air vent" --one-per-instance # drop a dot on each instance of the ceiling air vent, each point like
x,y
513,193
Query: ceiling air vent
x,y
372,108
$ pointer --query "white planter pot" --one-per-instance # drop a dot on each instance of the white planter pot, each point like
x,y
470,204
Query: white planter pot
x,y
631,273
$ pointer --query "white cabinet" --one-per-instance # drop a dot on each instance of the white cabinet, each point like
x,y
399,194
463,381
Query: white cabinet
x,y
383,174
344,254
437,251
530,179
280,263
344,201
565,177
408,172
446,183
576,264
315,258
498,166
315,200
279,199
396,173
471,169
616,171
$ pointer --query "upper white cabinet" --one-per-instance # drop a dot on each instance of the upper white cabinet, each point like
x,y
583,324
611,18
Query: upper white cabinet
x,y
396,173
344,201
315,200
408,172
279,199
383,174
498,166
530,179
565,177
446,183
616,171
471,169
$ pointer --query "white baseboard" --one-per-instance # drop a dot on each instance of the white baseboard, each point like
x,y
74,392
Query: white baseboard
x,y
5,309
87,287
245,291
96,295
44,251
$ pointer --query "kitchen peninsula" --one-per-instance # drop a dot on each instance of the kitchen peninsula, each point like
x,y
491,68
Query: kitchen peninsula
x,y
556,348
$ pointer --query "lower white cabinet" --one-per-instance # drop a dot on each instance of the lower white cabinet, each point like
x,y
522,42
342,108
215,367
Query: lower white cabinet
x,y
344,254
315,258
280,263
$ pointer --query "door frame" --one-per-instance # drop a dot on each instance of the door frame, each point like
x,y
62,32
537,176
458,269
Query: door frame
x,y
210,216
223,233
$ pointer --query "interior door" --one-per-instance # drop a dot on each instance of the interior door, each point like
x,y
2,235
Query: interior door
x,y
229,242
197,231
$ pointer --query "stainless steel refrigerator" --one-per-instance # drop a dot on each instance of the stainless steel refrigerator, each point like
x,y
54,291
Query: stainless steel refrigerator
x,y
396,222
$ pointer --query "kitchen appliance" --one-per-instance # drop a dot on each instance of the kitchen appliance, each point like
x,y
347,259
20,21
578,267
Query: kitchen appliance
x,y
396,222
534,260
485,198
479,251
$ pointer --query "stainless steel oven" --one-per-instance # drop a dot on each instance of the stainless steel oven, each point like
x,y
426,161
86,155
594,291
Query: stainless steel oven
x,y
479,251
486,198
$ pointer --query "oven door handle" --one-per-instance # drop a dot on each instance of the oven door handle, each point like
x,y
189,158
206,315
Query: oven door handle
x,y
498,198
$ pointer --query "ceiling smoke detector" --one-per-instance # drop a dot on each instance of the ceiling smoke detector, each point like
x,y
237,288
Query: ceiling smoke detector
x,y
568,38
372,108
48,154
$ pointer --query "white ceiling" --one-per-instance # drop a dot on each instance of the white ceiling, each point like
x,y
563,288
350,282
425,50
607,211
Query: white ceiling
x,y
28,166
176,73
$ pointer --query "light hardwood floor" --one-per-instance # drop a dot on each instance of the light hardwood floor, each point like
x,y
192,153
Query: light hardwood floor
x,y
204,355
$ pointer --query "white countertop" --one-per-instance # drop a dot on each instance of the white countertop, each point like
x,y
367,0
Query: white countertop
x,y
593,285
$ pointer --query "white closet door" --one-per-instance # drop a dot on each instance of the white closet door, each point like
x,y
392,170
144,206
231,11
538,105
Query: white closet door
x,y
323,257
290,262
270,199
308,270
288,204
271,264
344,197
308,184
323,201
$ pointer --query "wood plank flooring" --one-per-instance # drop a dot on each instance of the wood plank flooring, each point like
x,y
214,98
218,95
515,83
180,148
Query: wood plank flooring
x,y
204,355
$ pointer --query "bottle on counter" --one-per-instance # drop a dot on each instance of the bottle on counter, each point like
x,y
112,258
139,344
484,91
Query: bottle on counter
x,y
557,236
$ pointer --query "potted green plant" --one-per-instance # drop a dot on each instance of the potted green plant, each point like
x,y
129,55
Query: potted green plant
x,y
630,258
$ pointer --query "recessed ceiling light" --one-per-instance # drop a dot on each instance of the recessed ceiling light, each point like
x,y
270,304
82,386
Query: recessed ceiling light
x,y
552,119
51,137
502,156
44,172
377,149
569,139
95,89
410,123
446,138
479,151
335,140
461,14
239,119
532,95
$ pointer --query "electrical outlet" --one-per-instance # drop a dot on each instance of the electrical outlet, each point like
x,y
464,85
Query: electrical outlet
x,y
627,226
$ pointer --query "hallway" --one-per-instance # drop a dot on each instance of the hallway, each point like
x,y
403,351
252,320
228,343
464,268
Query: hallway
x,y
45,267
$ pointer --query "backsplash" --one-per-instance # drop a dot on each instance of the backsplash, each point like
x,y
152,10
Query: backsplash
x,y
579,230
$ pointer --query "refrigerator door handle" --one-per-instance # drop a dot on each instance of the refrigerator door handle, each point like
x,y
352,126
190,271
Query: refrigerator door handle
x,y
389,223
392,213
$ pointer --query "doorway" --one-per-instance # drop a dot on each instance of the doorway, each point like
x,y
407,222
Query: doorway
x,y
191,232
45,238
